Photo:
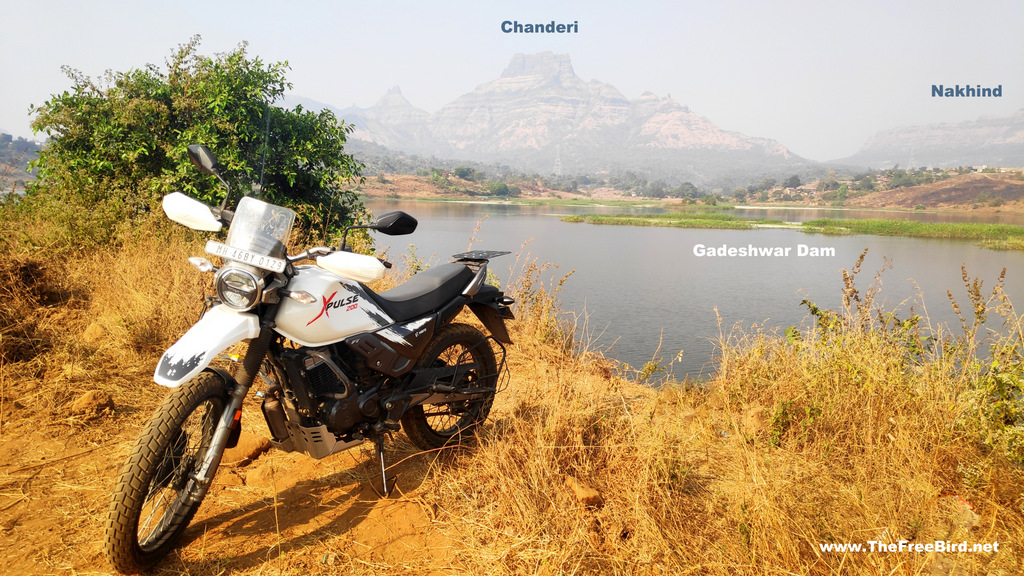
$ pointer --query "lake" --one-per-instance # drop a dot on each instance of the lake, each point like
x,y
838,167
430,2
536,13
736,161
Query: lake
x,y
637,286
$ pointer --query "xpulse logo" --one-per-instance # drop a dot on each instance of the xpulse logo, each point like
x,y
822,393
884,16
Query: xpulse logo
x,y
350,303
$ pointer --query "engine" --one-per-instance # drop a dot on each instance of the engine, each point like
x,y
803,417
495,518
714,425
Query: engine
x,y
325,394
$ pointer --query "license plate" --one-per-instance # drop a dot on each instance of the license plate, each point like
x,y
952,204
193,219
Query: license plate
x,y
245,256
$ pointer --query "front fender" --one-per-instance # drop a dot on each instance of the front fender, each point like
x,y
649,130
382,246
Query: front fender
x,y
219,328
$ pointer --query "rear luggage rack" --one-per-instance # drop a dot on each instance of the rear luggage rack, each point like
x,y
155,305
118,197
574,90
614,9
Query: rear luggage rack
x,y
477,256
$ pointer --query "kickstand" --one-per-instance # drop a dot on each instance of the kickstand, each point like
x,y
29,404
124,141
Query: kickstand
x,y
379,443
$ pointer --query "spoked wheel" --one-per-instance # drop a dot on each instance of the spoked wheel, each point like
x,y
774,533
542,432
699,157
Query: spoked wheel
x,y
153,499
464,360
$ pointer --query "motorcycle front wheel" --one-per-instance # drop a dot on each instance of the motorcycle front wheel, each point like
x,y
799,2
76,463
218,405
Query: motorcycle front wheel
x,y
466,350
153,502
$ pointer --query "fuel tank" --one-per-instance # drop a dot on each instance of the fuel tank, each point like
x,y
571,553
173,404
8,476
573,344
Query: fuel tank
x,y
342,309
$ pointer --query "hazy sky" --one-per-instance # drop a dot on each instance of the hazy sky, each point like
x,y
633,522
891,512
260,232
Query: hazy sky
x,y
819,77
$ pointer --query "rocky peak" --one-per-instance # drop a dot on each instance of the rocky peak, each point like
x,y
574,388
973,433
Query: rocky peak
x,y
392,99
543,66
394,108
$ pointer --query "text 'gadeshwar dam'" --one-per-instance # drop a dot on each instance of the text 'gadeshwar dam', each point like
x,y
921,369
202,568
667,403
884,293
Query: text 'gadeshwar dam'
x,y
748,251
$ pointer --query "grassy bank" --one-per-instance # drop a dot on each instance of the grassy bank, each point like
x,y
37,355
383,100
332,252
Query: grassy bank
x,y
995,236
860,428
673,220
948,230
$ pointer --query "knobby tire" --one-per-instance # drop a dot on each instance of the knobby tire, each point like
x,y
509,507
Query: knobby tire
x,y
435,426
156,474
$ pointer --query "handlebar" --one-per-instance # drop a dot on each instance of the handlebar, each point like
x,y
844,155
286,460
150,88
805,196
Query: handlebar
x,y
318,251
323,251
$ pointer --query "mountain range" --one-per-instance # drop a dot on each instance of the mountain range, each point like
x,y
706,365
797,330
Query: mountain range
x,y
539,116
987,140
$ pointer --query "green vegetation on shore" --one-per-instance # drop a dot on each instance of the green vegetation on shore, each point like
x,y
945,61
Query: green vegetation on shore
x,y
673,220
994,236
915,229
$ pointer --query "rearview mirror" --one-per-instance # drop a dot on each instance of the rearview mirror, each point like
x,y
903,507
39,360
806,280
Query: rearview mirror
x,y
203,159
394,224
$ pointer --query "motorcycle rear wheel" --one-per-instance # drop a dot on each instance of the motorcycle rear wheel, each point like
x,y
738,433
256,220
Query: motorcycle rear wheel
x,y
151,505
437,425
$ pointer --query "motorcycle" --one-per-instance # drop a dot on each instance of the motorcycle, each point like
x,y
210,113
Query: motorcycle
x,y
341,365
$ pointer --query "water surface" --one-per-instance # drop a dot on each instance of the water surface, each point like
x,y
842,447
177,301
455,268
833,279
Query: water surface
x,y
641,286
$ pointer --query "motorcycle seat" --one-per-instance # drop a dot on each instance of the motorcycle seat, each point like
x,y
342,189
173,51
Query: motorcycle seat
x,y
425,292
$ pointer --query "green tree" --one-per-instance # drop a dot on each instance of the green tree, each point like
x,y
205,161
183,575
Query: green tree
x,y
118,145
792,182
685,190
466,173
656,189
828,183
865,183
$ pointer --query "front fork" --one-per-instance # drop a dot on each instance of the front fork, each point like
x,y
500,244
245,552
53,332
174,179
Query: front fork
x,y
229,420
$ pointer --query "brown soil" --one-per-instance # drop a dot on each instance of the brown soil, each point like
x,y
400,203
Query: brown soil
x,y
56,480
974,191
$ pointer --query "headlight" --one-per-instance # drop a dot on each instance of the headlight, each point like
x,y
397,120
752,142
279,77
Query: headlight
x,y
238,289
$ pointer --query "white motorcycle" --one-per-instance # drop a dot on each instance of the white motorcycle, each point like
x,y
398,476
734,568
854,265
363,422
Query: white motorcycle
x,y
341,364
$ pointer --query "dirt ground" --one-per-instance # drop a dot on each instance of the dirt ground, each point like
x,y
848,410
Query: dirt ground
x,y
279,513
979,193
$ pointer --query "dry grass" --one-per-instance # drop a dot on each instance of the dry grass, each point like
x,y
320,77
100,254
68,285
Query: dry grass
x,y
839,435
828,438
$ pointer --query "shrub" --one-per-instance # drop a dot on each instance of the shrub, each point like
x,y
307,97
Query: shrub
x,y
118,145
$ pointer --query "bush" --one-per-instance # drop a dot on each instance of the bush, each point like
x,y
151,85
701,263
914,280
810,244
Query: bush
x,y
118,145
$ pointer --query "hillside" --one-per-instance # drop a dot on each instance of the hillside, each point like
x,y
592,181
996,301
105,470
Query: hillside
x,y
995,141
1002,190
15,154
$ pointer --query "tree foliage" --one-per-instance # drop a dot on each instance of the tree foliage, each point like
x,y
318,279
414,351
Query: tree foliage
x,y
118,145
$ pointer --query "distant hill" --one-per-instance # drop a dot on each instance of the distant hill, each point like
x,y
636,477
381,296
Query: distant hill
x,y
539,116
986,141
15,154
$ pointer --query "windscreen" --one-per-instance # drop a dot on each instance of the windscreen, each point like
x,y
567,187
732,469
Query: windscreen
x,y
258,226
